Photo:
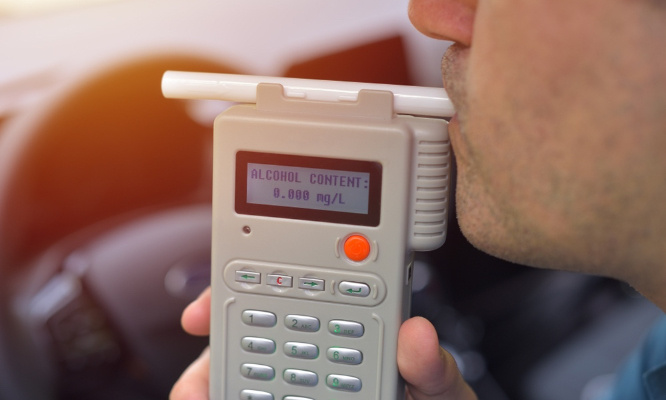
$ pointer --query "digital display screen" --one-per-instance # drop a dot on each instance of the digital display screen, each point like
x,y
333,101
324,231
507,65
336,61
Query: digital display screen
x,y
308,188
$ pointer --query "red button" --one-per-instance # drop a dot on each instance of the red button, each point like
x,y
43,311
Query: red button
x,y
357,248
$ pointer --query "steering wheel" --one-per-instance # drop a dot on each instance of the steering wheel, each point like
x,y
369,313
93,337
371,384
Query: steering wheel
x,y
104,237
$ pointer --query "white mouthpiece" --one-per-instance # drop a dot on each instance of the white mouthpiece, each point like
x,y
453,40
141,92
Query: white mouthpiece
x,y
413,100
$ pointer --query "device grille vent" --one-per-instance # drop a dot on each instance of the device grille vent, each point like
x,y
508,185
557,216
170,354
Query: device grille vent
x,y
432,190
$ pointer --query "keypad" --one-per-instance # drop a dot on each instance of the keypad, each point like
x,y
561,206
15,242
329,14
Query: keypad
x,y
302,374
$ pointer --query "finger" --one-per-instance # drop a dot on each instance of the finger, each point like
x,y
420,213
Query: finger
x,y
193,383
196,316
431,373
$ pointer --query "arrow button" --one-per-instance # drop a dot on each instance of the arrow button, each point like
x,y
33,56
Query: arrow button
x,y
311,284
248,277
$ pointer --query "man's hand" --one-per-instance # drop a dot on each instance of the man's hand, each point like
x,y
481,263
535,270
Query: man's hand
x,y
193,383
430,372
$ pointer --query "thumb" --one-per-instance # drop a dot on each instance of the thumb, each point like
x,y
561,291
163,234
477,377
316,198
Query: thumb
x,y
431,372
196,317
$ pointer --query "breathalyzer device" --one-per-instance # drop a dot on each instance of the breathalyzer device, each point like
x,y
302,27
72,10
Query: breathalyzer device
x,y
322,193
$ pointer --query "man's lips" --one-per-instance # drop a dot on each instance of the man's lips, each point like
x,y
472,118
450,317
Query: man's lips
x,y
454,68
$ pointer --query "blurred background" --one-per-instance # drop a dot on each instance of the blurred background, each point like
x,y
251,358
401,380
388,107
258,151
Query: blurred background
x,y
105,193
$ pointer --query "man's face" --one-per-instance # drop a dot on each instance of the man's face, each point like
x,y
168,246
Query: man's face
x,y
560,126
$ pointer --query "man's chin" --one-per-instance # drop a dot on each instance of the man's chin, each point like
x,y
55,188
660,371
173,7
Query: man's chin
x,y
492,231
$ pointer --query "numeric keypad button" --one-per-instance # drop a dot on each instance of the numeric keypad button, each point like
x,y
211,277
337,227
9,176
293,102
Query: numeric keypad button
x,y
343,382
259,318
301,350
300,377
344,356
255,395
258,345
258,372
346,328
301,323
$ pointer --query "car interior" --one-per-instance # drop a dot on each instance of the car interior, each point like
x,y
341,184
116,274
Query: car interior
x,y
105,220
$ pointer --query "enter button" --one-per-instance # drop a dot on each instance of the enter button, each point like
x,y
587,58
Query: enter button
x,y
354,289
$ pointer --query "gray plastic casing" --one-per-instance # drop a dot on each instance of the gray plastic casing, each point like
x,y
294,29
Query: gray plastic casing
x,y
414,154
